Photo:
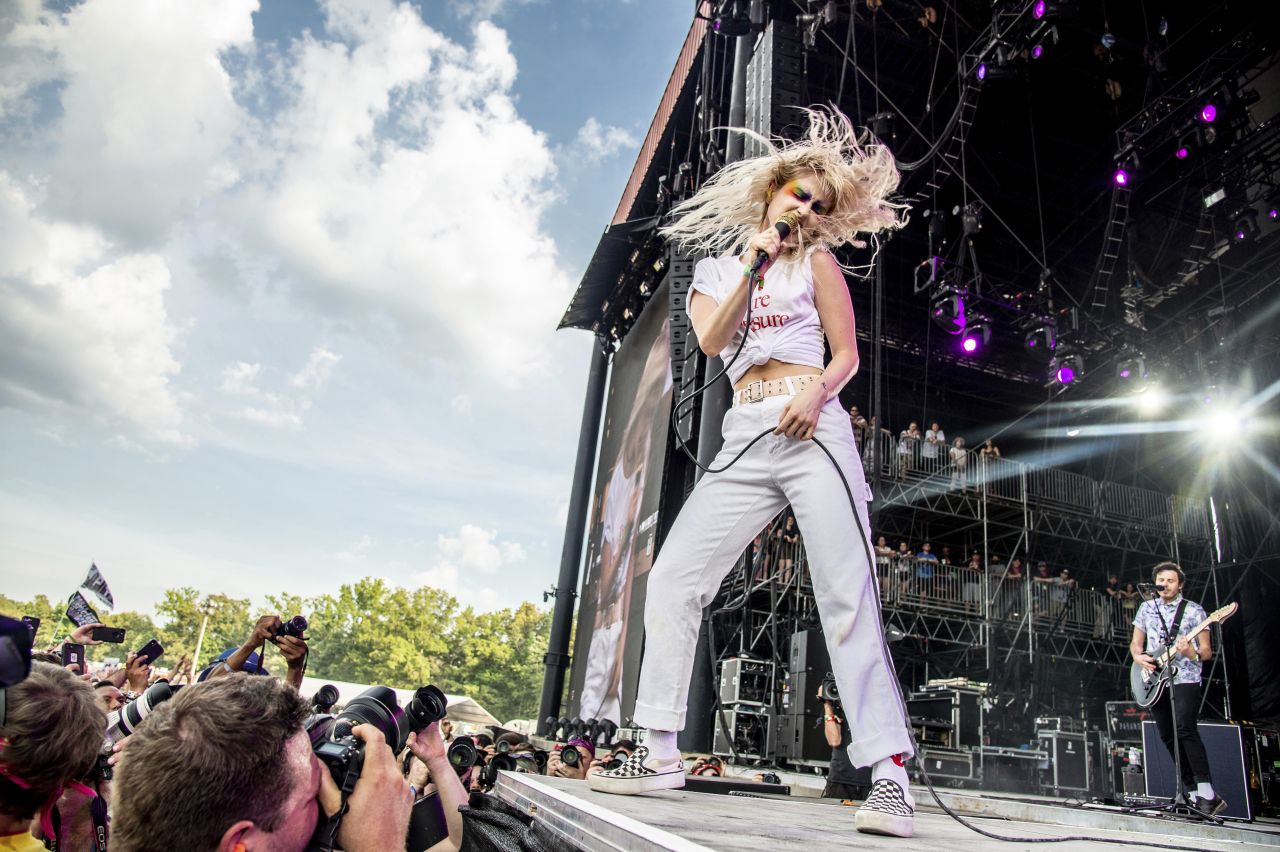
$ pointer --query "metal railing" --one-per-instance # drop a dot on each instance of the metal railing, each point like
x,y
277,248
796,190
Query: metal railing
x,y
1046,487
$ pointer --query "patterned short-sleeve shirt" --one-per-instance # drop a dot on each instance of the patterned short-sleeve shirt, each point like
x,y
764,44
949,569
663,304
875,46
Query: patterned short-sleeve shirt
x,y
1148,621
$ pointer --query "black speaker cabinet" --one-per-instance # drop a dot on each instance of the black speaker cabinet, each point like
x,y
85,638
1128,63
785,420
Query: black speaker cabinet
x,y
1068,767
1226,749
809,653
802,738
746,682
752,733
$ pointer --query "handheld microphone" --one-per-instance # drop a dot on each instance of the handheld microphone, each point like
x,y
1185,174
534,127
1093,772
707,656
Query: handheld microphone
x,y
786,223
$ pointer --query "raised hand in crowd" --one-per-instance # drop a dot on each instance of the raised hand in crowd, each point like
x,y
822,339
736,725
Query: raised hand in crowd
x,y
83,635
428,746
137,670
294,651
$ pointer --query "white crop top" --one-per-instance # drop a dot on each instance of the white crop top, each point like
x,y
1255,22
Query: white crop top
x,y
784,320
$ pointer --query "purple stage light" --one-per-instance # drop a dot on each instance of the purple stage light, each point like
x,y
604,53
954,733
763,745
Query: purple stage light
x,y
1125,373
1037,51
1038,10
1066,375
1240,235
982,71
1208,113
1182,153
970,344
1272,214
1121,177
1031,343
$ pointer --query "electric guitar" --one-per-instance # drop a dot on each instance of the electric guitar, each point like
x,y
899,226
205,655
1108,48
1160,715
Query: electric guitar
x,y
1147,685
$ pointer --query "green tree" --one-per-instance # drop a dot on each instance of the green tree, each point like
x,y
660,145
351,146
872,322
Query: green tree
x,y
181,611
53,625
496,658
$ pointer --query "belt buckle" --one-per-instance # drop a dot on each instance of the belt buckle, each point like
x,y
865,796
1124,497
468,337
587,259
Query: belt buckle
x,y
751,389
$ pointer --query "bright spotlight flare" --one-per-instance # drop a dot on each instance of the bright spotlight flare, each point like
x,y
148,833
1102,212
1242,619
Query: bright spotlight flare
x,y
977,334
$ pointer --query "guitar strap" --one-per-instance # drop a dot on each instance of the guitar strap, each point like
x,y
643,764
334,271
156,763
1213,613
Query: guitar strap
x,y
1177,622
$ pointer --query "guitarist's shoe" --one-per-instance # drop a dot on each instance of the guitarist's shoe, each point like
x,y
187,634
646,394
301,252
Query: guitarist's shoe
x,y
888,810
1211,807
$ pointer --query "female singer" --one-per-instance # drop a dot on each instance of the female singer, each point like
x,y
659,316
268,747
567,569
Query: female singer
x,y
834,189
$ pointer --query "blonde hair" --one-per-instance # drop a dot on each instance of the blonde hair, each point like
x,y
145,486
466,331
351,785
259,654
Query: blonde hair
x,y
858,177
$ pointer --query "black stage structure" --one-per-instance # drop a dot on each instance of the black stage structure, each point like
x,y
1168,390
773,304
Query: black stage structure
x,y
1064,180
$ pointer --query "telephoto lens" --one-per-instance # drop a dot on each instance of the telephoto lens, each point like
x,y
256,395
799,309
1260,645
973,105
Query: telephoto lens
x,y
569,755
828,690
502,746
294,627
563,724
614,762
497,763
324,699
540,760
463,754
121,723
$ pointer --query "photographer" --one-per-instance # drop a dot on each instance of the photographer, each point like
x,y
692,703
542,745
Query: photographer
x,y
228,766
50,734
584,754
429,748
844,781
268,629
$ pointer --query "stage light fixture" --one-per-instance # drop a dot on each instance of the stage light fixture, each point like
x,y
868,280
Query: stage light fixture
x,y
1271,214
971,220
1245,226
1151,399
1066,369
1214,195
977,334
1208,113
1121,176
1038,9
1041,340
1131,368
1037,51
947,309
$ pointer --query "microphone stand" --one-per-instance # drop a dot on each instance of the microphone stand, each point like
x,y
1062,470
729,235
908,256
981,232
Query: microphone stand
x,y
1177,804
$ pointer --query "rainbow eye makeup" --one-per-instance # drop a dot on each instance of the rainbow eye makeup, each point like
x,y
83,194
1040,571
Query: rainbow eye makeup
x,y
802,195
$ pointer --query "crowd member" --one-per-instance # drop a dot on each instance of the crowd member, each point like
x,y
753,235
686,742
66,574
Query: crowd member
x,y
789,546
935,442
926,568
293,649
586,757
844,780
906,567
908,447
884,559
108,696
1129,600
972,589
707,765
959,464
51,731
989,450
860,424
240,740
944,557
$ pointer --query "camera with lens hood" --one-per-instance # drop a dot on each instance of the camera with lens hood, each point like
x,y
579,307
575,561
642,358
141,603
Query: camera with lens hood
x,y
343,753
828,690
463,754
294,627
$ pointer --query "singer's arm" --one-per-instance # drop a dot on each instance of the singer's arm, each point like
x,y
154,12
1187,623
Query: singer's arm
x,y
835,311
715,324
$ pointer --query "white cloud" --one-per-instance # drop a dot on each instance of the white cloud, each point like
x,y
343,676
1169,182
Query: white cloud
x,y
319,367
357,551
596,141
461,404
484,9
463,558
84,331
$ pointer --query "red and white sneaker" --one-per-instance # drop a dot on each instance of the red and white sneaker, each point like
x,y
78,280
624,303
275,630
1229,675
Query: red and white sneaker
x,y
888,810
641,773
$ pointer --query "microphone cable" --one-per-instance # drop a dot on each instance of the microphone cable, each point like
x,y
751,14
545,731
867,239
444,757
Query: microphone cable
x,y
874,581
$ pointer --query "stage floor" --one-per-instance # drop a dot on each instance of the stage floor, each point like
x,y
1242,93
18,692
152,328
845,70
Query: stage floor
x,y
694,822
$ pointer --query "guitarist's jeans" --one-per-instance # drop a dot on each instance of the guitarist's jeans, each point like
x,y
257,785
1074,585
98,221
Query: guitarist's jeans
x,y
725,512
1195,762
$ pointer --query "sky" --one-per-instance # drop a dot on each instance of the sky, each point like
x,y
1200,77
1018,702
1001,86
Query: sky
x,y
279,283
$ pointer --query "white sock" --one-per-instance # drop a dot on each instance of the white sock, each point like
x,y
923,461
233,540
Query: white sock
x,y
662,744
889,769
1204,790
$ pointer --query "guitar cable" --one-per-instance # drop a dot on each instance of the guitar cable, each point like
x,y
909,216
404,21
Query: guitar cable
x,y
874,582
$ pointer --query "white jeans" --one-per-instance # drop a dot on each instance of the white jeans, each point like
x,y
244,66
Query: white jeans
x,y
721,517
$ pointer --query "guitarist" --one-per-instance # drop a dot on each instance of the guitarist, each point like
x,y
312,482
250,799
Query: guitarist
x,y
1164,621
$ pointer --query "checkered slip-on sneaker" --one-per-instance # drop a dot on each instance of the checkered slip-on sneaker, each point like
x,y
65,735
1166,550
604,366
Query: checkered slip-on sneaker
x,y
888,810
639,774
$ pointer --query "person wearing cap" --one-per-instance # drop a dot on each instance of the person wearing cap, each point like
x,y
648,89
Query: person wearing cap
x,y
245,658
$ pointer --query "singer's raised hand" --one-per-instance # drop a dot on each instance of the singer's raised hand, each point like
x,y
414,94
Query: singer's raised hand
x,y
768,241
